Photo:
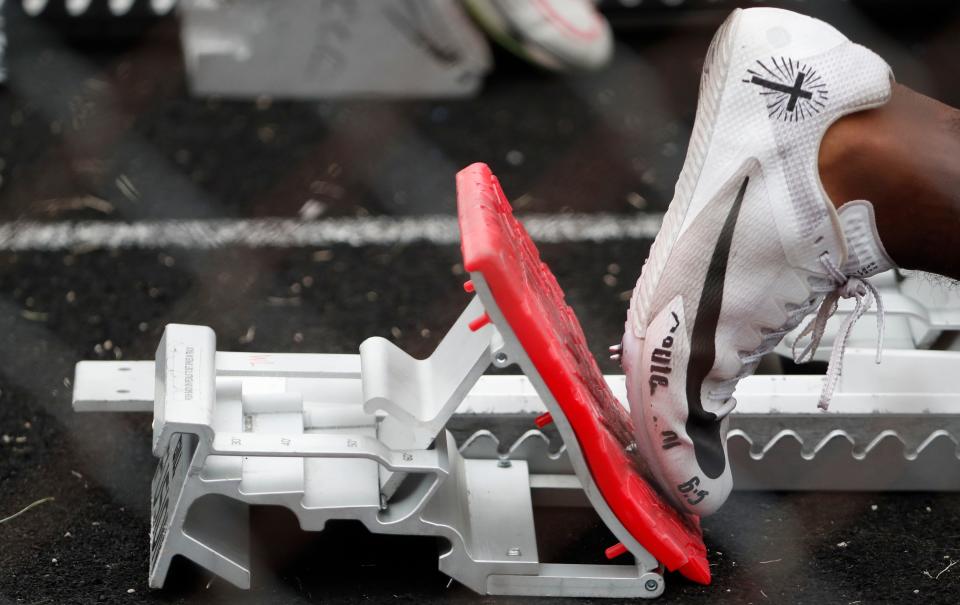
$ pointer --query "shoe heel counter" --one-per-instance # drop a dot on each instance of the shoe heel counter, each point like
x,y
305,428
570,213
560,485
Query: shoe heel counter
x,y
788,32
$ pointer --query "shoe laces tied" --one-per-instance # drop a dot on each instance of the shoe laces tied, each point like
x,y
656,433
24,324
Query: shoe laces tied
x,y
844,286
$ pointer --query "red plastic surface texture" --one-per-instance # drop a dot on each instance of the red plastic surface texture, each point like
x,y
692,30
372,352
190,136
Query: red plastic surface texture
x,y
496,245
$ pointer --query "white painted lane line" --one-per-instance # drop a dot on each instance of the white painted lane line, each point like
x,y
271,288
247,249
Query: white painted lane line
x,y
292,233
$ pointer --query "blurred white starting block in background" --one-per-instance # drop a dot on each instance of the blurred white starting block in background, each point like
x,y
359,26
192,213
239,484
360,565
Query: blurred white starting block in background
x,y
305,48
320,49
435,448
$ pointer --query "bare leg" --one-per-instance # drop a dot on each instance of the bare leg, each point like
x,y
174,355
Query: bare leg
x,y
904,158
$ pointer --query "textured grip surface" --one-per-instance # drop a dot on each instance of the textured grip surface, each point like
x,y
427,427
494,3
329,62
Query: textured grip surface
x,y
495,244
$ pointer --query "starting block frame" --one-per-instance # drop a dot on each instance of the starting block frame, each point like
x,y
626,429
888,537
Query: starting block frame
x,y
235,429
374,437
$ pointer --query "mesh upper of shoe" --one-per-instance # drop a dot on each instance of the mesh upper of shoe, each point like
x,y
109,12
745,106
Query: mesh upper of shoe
x,y
735,123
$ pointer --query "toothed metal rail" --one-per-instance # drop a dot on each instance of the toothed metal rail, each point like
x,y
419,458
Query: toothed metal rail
x,y
895,427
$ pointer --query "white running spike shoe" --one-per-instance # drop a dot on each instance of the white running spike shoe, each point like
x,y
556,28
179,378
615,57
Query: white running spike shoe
x,y
750,244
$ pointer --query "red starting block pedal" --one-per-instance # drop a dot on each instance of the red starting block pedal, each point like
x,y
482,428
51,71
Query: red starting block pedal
x,y
521,296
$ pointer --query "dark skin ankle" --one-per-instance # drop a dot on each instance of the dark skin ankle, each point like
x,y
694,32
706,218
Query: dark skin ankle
x,y
904,158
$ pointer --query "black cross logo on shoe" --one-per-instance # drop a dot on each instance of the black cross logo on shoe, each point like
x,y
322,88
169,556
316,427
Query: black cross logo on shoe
x,y
793,91
796,91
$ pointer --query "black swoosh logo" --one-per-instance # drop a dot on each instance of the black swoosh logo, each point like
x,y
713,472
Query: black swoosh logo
x,y
702,426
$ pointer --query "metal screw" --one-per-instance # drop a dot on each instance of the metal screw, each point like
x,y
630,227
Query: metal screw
x,y
503,463
513,552
651,585
501,358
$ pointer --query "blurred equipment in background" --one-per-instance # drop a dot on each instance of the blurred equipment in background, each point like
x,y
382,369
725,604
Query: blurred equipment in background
x,y
98,8
3,46
313,49
556,34
91,24
305,48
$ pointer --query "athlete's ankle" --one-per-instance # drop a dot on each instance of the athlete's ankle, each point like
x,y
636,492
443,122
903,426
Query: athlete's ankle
x,y
851,152
900,157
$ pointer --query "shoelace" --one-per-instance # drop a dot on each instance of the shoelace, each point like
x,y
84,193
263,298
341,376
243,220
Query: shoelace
x,y
838,286
845,287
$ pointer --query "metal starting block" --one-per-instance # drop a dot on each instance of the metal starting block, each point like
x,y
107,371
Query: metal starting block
x,y
434,447
310,49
